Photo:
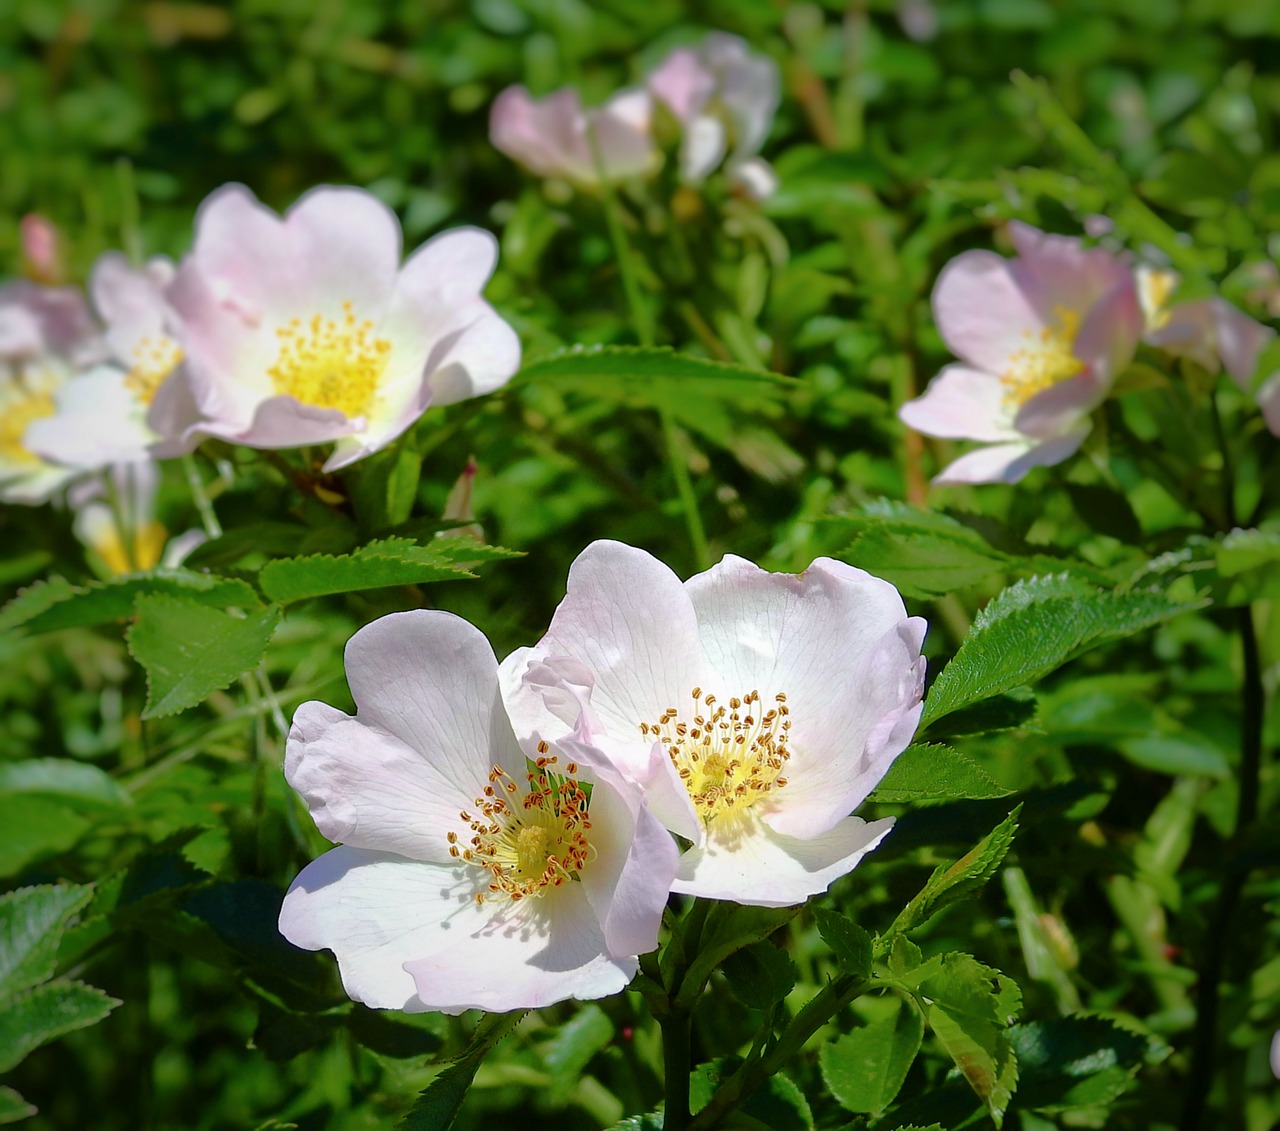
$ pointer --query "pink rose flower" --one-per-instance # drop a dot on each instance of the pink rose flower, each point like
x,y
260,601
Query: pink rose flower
x,y
1041,338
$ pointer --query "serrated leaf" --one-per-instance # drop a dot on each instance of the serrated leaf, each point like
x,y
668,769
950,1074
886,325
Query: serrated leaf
x,y
934,772
387,561
865,1069
646,373
437,1106
569,1052
1075,1061
850,943
13,1107
969,1008
760,975
75,783
964,878
1015,710
1034,627
776,1103
32,920
190,651
45,1013
56,604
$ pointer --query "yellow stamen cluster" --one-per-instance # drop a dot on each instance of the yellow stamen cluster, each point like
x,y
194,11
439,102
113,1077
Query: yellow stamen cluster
x,y
727,757
1046,359
528,843
20,407
143,551
330,363
1154,291
153,360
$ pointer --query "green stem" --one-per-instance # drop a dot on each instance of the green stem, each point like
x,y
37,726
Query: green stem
x,y
676,1059
1220,933
642,320
817,1011
207,516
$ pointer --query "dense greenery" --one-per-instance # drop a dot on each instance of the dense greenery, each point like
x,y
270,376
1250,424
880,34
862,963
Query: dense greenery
x,y
1106,953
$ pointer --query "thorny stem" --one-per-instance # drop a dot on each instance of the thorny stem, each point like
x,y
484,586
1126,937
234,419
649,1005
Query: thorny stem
x,y
676,1061
642,318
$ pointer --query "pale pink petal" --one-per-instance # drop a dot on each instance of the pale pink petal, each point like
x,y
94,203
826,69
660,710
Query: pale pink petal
x,y
627,619
983,311
431,680
962,403
533,955
749,88
1059,271
377,912
747,862
837,642
755,177
705,144
628,882
130,301
1269,403
1007,463
622,136
99,421
347,242
368,789
682,83
245,246
1240,341
283,422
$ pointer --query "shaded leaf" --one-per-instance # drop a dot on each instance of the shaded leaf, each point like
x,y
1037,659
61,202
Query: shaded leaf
x,y
931,772
865,1069
1076,1061
13,1107
760,975
190,651
75,783
851,945
569,1052
40,1015
31,925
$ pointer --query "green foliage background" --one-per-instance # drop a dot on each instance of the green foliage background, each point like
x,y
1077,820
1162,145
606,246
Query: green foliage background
x,y
117,118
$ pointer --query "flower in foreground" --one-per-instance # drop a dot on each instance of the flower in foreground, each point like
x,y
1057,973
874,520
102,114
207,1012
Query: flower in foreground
x,y
47,335
307,329
556,136
464,879
1041,338
724,96
757,709
137,406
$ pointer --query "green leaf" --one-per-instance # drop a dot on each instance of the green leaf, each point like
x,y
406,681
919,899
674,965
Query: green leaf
x,y
969,1007
31,924
190,651
437,1106
648,374
1034,627
13,1108
387,561
1077,1061
1016,710
964,878
35,827
651,1121
865,1069
760,975
776,1104
55,604
934,772
730,927
851,945
75,783
569,1052
45,1013
384,486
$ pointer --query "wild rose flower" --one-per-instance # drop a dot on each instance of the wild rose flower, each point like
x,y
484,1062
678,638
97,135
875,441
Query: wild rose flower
x,y
757,709
724,96
306,329
1041,339
1210,331
556,136
463,881
137,406
47,335
41,249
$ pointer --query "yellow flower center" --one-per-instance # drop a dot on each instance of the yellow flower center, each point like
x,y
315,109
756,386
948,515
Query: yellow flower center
x,y
727,757
153,360
1044,361
330,363
1154,291
530,842
20,407
145,552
